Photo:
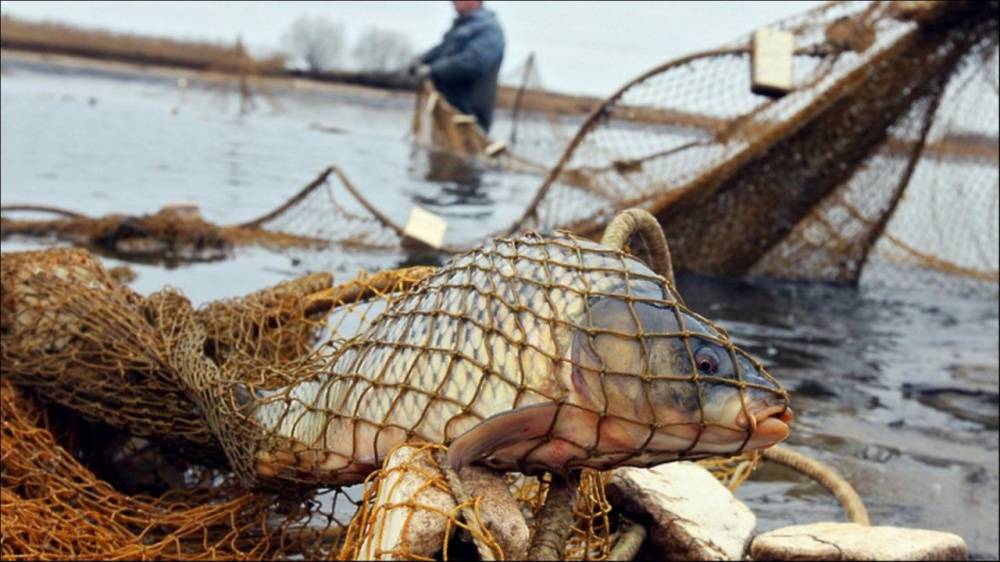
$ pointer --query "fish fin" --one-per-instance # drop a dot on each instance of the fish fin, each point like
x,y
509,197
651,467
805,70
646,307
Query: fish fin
x,y
501,430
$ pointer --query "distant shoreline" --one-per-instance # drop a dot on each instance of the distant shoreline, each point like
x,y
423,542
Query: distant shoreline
x,y
980,149
177,72
90,48
538,100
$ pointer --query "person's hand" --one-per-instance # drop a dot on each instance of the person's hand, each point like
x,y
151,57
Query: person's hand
x,y
423,71
413,66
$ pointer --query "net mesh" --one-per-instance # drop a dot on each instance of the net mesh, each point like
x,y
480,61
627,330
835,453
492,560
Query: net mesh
x,y
139,426
859,163
540,122
326,212
560,330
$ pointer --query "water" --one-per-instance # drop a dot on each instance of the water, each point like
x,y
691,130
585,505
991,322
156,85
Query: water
x,y
895,390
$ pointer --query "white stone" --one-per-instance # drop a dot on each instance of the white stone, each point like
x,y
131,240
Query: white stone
x,y
691,515
850,541
404,494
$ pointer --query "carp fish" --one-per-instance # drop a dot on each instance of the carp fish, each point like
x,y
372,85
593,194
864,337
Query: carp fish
x,y
526,354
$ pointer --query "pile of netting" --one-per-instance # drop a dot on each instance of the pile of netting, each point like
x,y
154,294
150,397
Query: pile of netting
x,y
140,427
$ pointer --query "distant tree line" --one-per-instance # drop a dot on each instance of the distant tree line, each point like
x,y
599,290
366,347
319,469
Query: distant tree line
x,y
320,45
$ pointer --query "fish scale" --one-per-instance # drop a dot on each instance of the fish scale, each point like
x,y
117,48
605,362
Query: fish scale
x,y
423,357
489,333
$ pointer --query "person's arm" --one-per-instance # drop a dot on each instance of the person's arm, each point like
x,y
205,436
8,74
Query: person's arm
x,y
431,55
483,50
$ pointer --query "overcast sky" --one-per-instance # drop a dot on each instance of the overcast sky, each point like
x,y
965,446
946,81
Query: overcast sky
x,y
581,47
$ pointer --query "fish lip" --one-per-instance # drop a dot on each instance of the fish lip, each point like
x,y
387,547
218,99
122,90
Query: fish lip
x,y
780,413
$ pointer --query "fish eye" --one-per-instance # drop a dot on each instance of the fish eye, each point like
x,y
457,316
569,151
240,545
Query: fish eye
x,y
707,360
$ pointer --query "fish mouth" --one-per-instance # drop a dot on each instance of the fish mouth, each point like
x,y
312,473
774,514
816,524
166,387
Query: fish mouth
x,y
767,427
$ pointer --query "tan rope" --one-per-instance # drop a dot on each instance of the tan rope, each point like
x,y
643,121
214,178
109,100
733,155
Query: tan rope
x,y
43,209
637,221
312,186
829,479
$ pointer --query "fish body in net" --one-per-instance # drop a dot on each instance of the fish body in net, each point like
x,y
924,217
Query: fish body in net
x,y
527,354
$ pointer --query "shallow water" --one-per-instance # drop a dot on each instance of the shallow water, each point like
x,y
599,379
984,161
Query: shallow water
x,y
896,390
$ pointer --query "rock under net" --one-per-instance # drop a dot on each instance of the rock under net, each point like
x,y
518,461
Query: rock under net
x,y
138,426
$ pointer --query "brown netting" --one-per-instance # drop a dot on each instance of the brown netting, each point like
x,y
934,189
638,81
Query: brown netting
x,y
55,507
873,155
437,124
142,427
321,214
151,479
880,164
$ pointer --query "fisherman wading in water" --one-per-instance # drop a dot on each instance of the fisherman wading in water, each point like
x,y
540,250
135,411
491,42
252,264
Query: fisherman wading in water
x,y
464,67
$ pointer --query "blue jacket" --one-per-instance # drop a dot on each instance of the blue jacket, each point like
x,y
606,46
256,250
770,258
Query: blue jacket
x,y
464,67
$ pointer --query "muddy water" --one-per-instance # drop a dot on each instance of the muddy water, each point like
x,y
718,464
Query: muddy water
x,y
896,390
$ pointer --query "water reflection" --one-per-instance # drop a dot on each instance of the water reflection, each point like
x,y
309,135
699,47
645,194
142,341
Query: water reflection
x,y
454,187
459,181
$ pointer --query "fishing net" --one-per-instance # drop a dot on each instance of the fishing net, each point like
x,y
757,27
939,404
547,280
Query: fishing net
x,y
138,426
178,233
438,125
884,150
879,165
105,453
553,328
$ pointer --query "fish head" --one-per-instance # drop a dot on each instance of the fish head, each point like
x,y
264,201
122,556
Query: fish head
x,y
665,384
636,379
